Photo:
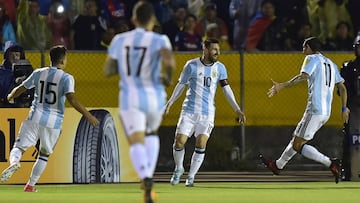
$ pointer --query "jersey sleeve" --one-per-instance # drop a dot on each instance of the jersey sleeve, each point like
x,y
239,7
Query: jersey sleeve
x,y
222,72
112,51
185,74
29,83
338,77
308,65
69,84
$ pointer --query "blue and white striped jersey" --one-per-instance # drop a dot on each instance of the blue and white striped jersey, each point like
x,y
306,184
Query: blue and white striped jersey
x,y
202,81
51,84
323,75
139,65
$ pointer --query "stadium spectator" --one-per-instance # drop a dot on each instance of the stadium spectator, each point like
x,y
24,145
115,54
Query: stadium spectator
x,y
188,39
350,71
45,5
10,8
164,10
175,24
195,7
322,75
33,32
46,115
202,75
60,24
6,28
213,32
113,10
266,32
211,17
88,28
343,40
116,27
140,78
324,15
296,43
242,12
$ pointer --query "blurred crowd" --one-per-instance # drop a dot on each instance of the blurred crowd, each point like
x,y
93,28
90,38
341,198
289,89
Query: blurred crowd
x,y
251,25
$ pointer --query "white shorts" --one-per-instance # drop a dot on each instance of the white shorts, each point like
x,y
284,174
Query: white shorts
x,y
309,125
135,120
196,124
30,132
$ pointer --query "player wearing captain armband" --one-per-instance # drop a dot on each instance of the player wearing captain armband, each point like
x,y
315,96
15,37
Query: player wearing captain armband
x,y
201,75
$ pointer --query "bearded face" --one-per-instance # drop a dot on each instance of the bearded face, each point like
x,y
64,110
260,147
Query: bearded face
x,y
212,53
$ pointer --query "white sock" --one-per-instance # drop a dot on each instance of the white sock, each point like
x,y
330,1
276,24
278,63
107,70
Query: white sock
x,y
178,155
196,161
152,145
38,169
287,154
312,153
15,155
140,161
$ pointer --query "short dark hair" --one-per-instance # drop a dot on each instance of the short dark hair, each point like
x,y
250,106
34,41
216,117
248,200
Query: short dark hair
x,y
57,53
209,41
314,43
143,11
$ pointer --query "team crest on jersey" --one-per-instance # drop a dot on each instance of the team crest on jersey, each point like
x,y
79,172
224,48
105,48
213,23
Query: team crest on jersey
x,y
214,74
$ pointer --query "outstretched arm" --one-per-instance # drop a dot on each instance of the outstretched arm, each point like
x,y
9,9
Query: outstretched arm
x,y
16,92
80,108
179,88
279,86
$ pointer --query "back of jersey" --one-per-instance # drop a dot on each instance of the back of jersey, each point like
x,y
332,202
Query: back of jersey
x,y
51,85
139,65
323,75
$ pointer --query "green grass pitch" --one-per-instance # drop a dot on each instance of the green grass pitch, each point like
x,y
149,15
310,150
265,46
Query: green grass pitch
x,y
212,192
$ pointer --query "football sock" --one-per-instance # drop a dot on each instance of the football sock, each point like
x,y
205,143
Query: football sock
x,y
285,157
140,161
196,161
152,145
38,169
178,155
15,155
312,153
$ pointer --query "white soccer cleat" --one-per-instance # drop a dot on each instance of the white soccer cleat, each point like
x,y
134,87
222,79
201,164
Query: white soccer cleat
x,y
8,172
189,182
175,178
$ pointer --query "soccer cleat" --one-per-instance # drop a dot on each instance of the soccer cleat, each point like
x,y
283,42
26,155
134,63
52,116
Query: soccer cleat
x,y
189,182
270,164
9,171
175,178
29,188
335,169
150,196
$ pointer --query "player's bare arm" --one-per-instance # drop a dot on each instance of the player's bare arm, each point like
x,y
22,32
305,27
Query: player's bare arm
x,y
343,95
229,94
178,90
16,92
110,67
80,108
168,62
279,86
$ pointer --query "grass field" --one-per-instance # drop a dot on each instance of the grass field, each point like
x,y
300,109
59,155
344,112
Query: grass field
x,y
214,192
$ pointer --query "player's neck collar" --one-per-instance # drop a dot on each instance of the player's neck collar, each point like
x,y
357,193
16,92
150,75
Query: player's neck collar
x,y
205,64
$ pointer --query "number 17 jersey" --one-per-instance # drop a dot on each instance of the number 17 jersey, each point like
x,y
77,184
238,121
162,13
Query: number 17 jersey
x,y
139,65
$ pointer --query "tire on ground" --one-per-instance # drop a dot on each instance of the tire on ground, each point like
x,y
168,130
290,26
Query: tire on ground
x,y
96,152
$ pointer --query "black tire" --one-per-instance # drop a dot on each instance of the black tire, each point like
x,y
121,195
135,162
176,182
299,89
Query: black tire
x,y
96,151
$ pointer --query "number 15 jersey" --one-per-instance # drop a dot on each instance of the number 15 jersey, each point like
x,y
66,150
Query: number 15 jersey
x,y
139,65
51,85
